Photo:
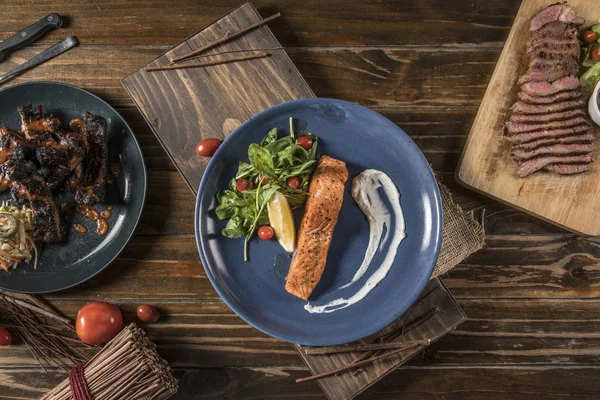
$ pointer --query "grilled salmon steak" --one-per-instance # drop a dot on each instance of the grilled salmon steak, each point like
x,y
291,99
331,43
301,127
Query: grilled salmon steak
x,y
325,196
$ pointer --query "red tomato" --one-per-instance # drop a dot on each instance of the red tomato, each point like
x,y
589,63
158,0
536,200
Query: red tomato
x,y
293,182
588,37
5,337
243,184
305,142
207,147
596,53
98,322
265,181
147,313
265,232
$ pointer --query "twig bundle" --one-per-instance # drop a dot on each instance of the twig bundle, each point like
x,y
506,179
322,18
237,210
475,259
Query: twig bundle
x,y
48,343
128,367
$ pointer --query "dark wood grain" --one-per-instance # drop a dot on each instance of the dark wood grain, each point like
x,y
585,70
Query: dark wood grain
x,y
375,77
451,383
304,23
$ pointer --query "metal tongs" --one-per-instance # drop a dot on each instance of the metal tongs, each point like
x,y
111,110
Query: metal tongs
x,y
27,36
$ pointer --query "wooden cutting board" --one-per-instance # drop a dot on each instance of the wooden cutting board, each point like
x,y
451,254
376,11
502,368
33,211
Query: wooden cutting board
x,y
572,202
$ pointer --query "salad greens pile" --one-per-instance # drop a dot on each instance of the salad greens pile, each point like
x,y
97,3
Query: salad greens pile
x,y
592,75
272,162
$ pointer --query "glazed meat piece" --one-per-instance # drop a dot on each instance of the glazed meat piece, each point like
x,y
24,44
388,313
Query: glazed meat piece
x,y
95,165
324,202
34,123
30,187
555,12
548,128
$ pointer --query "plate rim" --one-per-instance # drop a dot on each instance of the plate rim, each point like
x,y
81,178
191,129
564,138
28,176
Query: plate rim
x,y
439,222
145,186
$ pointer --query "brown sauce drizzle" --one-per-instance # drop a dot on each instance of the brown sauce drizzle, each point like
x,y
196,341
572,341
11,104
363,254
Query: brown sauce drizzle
x,y
93,215
115,169
80,228
106,213
102,227
83,209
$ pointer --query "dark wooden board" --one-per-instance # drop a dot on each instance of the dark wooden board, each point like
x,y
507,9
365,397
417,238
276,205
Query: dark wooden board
x,y
186,106
346,385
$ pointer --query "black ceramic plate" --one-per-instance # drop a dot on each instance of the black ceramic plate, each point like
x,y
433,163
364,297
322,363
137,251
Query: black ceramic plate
x,y
82,255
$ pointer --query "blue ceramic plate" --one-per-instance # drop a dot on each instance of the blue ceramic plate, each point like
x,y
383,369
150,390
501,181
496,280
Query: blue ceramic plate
x,y
255,289
82,256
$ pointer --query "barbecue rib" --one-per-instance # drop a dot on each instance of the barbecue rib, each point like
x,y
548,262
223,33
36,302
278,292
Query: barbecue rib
x,y
43,156
548,128
93,184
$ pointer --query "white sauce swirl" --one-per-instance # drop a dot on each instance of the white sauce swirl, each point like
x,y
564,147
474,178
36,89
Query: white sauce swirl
x,y
366,192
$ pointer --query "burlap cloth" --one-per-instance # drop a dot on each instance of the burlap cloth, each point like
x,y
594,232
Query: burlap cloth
x,y
462,234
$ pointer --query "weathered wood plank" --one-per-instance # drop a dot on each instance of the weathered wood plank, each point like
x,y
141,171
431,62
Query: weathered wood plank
x,y
450,383
200,333
537,266
380,77
336,23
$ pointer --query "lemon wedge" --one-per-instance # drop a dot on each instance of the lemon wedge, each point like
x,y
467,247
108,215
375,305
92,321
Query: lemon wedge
x,y
282,221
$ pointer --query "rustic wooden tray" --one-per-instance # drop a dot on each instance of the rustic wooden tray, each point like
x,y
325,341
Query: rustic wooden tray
x,y
184,106
485,166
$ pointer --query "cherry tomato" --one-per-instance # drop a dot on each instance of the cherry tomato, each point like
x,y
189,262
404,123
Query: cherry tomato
x,y
293,182
207,147
98,322
5,337
147,313
265,181
265,232
243,184
305,142
596,53
588,37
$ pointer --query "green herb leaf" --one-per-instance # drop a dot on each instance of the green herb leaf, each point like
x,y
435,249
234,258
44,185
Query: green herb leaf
x,y
591,76
276,159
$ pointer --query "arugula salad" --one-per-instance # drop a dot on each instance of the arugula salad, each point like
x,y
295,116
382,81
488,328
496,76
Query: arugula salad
x,y
276,165
590,56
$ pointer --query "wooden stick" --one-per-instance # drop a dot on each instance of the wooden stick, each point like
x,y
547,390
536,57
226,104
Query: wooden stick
x,y
405,328
225,39
208,63
354,348
350,366
39,310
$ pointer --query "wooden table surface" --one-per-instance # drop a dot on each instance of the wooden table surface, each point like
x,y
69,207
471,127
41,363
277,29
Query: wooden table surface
x,y
530,295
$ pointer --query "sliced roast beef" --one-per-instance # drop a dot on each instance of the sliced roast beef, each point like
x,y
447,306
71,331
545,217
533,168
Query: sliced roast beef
x,y
555,150
548,127
520,107
536,164
542,76
552,116
556,12
548,89
580,138
519,127
547,134
567,39
567,169
555,98
569,65
569,46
